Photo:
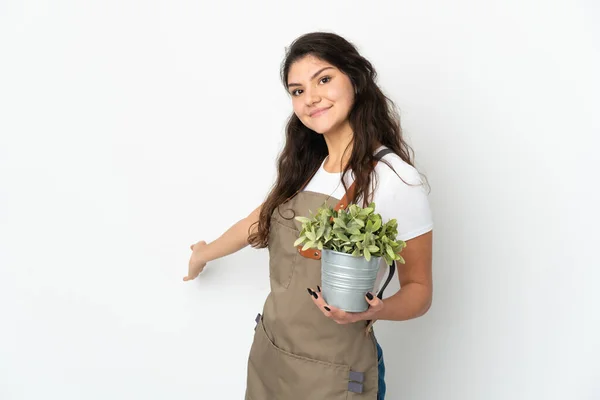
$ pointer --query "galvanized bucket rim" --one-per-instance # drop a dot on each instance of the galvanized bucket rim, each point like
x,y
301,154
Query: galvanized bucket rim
x,y
348,255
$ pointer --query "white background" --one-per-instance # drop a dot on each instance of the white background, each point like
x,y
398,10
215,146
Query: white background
x,y
131,129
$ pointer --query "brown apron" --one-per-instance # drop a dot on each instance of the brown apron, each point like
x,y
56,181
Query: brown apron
x,y
298,353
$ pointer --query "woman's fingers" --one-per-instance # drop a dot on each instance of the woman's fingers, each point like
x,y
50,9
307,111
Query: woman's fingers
x,y
316,296
375,303
318,299
339,316
196,263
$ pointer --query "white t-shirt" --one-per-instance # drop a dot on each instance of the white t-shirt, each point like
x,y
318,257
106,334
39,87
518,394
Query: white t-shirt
x,y
393,198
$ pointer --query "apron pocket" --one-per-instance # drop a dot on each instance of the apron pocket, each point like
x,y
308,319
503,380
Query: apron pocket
x,y
293,377
282,253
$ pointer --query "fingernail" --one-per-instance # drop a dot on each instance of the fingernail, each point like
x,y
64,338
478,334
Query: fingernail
x,y
315,295
309,291
327,308
319,288
369,296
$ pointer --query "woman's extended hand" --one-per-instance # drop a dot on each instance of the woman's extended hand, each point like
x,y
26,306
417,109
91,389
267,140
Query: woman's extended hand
x,y
197,263
343,317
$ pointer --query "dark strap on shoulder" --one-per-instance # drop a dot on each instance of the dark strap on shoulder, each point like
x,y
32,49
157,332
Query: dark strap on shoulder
x,y
349,196
383,152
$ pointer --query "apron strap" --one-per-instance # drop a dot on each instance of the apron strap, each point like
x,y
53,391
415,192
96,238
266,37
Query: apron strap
x,y
349,196
392,270
381,153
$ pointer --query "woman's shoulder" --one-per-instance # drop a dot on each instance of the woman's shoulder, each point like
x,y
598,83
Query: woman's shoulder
x,y
392,169
400,193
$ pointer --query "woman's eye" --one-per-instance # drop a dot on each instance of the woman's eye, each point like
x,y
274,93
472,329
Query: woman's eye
x,y
296,92
325,79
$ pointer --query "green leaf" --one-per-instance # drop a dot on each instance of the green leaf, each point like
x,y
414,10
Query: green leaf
x,y
299,241
308,245
373,248
304,220
357,238
368,210
390,251
338,221
354,231
311,236
320,232
367,254
359,222
342,236
377,225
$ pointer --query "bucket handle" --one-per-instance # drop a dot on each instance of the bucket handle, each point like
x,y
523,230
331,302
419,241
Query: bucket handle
x,y
387,281
380,294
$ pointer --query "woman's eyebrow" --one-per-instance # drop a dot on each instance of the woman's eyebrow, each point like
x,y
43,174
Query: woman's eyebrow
x,y
312,77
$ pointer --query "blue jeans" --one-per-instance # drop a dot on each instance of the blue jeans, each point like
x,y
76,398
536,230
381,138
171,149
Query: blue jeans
x,y
381,368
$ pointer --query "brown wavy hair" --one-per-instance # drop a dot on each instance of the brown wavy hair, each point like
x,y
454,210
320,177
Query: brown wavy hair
x,y
373,119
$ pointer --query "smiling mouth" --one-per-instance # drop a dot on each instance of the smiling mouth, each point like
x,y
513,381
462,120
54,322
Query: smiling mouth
x,y
320,112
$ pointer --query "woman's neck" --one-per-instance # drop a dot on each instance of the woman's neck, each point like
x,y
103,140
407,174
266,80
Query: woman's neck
x,y
339,146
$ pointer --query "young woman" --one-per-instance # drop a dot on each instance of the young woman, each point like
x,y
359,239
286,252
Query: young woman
x,y
343,136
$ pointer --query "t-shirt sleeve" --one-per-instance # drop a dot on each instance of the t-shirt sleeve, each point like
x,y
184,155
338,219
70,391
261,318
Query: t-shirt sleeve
x,y
408,204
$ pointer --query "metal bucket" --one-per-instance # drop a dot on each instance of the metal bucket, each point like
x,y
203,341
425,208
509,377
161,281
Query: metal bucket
x,y
346,279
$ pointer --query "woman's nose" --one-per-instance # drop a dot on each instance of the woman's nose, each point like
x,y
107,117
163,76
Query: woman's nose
x,y
312,97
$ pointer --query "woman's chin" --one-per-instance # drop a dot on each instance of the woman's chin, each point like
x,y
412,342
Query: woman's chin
x,y
321,129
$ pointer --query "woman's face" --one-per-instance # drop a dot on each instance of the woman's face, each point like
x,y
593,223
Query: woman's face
x,y
322,96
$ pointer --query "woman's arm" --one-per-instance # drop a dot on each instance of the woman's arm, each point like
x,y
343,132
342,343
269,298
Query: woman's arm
x,y
411,301
233,239
416,286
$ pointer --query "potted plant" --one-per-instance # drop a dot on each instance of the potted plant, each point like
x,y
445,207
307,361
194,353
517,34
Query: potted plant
x,y
352,242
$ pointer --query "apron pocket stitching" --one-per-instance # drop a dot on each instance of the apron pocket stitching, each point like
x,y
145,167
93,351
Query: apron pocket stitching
x,y
333,378
302,358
